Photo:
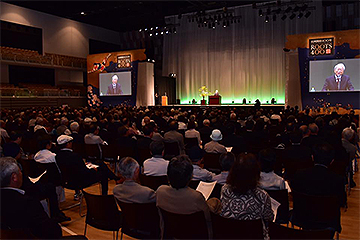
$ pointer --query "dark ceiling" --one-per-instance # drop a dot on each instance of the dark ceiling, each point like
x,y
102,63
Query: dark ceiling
x,y
123,16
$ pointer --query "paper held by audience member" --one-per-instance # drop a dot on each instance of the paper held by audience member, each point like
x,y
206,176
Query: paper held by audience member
x,y
274,206
91,166
34,180
228,149
206,188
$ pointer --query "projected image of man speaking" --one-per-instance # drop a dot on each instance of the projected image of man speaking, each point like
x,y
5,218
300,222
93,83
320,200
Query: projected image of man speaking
x,y
338,81
114,87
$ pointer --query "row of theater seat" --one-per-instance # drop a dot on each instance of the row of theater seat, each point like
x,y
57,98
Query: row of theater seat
x,y
141,220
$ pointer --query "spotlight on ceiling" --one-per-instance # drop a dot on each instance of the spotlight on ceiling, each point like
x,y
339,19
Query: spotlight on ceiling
x,y
300,15
150,34
283,17
297,8
267,19
140,30
307,14
260,13
82,13
292,16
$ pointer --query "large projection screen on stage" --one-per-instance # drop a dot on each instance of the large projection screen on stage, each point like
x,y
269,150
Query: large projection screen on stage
x,y
322,76
115,84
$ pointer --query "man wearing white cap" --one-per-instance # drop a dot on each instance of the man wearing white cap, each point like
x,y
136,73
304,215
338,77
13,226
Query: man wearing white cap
x,y
214,146
75,171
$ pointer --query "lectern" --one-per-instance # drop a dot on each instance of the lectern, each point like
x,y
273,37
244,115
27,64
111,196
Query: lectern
x,y
164,100
214,100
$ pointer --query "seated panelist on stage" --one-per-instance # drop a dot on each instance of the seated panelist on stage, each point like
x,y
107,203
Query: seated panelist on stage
x,y
216,93
114,87
338,81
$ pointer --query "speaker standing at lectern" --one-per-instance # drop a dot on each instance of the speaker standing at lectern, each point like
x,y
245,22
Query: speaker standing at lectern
x,y
338,81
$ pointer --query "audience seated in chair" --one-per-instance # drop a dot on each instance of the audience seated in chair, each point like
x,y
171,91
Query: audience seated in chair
x,y
268,179
196,155
226,161
348,135
174,136
74,170
130,191
20,211
157,165
92,137
319,180
192,132
42,189
78,138
214,146
241,199
178,197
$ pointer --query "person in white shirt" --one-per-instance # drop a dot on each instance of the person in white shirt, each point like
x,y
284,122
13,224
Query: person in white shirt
x,y
157,165
226,161
192,133
268,179
196,154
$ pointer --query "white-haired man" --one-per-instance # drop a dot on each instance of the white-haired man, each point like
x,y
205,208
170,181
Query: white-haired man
x,y
20,211
114,87
130,191
338,81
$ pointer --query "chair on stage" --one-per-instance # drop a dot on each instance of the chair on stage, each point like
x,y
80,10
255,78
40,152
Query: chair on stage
x,y
102,213
140,220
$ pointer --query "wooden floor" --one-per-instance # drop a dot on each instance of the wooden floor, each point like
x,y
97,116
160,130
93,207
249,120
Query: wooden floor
x,y
350,219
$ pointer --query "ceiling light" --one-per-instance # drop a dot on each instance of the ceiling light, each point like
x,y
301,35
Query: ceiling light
x,y
288,9
297,8
260,13
140,30
292,16
267,19
283,17
150,34
300,15
307,14
82,13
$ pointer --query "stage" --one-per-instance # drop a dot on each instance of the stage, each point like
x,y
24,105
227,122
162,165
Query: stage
x,y
273,106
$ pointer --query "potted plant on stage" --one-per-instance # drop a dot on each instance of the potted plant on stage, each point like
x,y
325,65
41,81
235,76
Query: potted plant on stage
x,y
204,92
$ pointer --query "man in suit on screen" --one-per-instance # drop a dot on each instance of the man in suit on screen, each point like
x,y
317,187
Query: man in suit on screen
x,y
114,87
338,81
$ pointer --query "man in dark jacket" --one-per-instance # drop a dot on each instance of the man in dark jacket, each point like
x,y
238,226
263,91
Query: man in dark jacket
x,y
19,211
75,172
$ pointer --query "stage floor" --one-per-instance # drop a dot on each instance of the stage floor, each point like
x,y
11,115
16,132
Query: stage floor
x,y
277,106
